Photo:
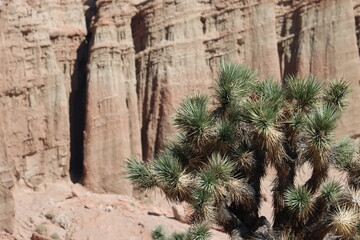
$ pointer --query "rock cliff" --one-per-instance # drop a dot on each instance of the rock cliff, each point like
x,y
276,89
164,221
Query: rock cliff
x,y
116,70
38,42
319,37
112,130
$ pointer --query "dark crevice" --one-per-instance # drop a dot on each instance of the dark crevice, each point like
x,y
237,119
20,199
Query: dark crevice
x,y
140,35
77,101
357,26
140,32
289,63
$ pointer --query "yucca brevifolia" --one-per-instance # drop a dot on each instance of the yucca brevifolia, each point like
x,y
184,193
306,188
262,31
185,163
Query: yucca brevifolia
x,y
217,162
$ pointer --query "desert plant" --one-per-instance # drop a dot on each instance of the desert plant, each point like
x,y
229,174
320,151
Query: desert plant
x,y
55,236
159,233
220,157
41,229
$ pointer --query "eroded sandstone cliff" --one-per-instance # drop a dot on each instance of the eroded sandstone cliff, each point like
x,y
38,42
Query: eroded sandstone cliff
x,y
112,130
121,68
179,44
38,43
319,38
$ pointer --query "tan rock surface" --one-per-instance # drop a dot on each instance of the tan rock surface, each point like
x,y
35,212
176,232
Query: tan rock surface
x,y
38,44
357,21
178,47
6,236
319,38
177,52
112,130
7,210
144,57
55,210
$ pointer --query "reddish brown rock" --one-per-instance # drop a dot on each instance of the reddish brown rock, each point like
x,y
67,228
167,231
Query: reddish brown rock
x,y
7,210
144,57
38,44
177,52
319,37
112,122
180,214
37,236
357,21
6,236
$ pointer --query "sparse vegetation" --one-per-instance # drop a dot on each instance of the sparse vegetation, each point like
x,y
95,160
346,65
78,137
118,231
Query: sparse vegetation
x,y
224,146
159,234
55,236
41,229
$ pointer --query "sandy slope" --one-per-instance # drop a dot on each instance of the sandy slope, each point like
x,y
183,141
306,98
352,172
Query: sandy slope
x,y
73,213
68,211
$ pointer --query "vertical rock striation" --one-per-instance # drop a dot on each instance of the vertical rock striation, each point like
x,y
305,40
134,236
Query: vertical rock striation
x,y
244,32
170,63
7,208
112,130
357,21
319,37
174,47
144,56
38,41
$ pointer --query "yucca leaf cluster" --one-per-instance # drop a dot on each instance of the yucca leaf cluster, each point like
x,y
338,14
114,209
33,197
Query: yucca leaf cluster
x,y
225,143
159,233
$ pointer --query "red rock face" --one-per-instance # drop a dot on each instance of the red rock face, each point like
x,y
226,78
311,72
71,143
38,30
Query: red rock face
x,y
179,45
178,52
38,45
319,38
357,21
142,58
112,122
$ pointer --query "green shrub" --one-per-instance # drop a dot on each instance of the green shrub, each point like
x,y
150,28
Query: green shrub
x,y
159,234
41,229
223,148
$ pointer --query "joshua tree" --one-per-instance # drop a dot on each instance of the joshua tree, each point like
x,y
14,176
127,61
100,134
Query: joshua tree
x,y
224,146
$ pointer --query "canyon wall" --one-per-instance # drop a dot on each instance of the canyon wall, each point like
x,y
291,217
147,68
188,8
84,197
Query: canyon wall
x,y
319,38
112,130
38,44
85,83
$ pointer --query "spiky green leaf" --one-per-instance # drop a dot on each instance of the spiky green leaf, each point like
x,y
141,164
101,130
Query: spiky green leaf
x,y
331,190
193,116
344,152
269,91
199,231
140,174
336,94
319,126
178,236
171,177
203,205
298,199
225,135
232,84
158,233
221,166
260,115
304,91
